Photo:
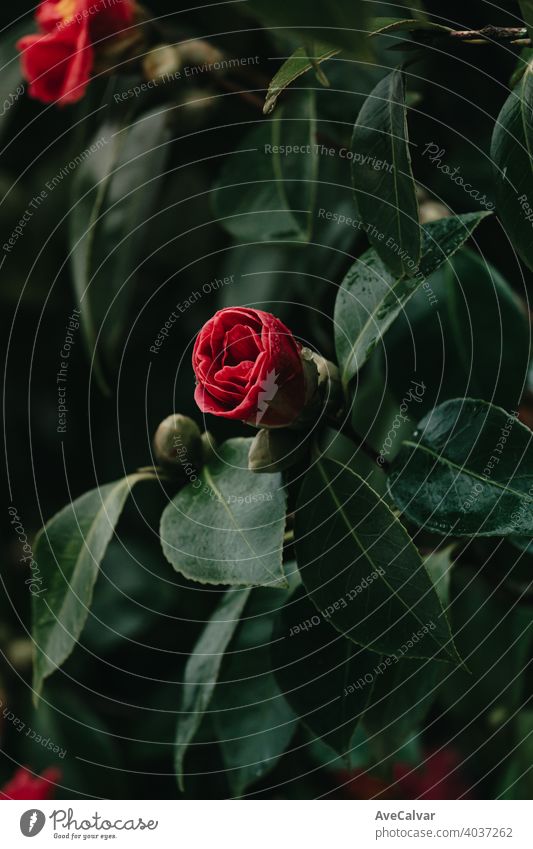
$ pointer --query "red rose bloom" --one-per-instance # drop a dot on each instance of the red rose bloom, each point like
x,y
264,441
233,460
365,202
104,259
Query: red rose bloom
x,y
58,61
26,785
248,367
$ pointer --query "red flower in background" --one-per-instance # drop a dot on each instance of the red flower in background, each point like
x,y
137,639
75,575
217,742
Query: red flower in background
x,y
26,785
437,778
248,368
58,61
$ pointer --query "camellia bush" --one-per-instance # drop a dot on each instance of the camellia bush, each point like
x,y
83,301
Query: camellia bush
x,y
267,268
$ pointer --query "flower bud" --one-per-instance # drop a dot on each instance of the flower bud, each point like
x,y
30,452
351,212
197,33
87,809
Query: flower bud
x,y
324,388
275,450
162,62
178,442
208,447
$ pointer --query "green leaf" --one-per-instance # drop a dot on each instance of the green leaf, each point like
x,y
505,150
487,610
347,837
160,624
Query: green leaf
x,y
401,698
439,566
113,194
476,343
253,721
361,569
341,24
385,26
132,595
517,782
526,7
511,150
371,298
68,552
227,526
266,189
495,641
489,330
405,689
383,178
320,672
301,61
202,671
467,471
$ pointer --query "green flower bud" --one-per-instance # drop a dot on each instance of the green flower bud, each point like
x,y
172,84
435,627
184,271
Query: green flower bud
x,y
208,447
275,450
178,443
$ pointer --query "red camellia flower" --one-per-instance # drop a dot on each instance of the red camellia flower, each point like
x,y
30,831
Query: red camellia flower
x,y
248,367
58,61
26,785
437,778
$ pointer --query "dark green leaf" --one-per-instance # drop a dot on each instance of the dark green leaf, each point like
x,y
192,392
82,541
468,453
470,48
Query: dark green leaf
x,y
341,24
405,689
227,526
474,343
495,642
253,720
467,471
526,7
132,595
68,552
361,569
321,673
383,178
511,151
371,298
202,671
410,25
113,197
517,782
266,189
401,698
301,61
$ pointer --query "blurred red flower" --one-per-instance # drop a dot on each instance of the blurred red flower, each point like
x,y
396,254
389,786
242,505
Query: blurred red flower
x,y
57,62
26,785
437,778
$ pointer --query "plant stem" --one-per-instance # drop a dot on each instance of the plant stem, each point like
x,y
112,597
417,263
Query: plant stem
x,y
490,34
249,96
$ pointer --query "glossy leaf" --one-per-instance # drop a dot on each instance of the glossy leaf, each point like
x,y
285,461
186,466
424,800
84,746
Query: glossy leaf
x,y
266,188
467,471
319,672
511,150
69,551
383,178
202,671
253,720
301,61
113,193
360,567
475,342
371,298
227,526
